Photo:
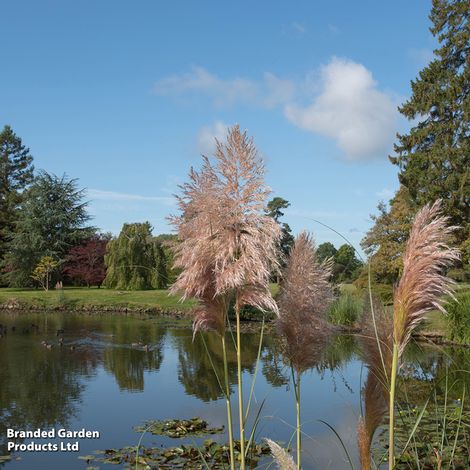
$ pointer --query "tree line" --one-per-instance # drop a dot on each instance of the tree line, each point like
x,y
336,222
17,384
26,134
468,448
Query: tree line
x,y
45,236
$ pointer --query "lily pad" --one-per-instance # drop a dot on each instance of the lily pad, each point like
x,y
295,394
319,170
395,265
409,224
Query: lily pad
x,y
177,428
186,456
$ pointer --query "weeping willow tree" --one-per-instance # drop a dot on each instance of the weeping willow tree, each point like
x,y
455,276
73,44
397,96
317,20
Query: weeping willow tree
x,y
135,260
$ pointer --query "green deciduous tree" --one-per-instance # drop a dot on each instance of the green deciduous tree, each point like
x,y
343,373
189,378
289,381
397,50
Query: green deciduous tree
x,y
434,157
51,220
346,267
135,260
44,269
16,172
325,250
384,243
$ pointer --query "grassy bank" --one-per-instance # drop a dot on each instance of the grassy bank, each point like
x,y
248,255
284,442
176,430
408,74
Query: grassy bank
x,y
93,299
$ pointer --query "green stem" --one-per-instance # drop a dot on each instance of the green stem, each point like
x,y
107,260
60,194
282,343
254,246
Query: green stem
x,y
298,421
229,406
240,391
393,380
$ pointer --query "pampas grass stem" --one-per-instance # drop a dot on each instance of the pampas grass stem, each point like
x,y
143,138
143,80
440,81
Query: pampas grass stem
x,y
240,391
229,405
391,437
299,437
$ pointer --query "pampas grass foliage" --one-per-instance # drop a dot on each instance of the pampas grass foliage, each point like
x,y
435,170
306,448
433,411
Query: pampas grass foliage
x,y
227,246
422,287
303,302
283,460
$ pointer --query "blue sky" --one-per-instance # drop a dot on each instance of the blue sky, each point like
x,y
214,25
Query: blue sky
x,y
126,95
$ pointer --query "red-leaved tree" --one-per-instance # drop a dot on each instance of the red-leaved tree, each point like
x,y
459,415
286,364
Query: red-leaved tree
x,y
85,262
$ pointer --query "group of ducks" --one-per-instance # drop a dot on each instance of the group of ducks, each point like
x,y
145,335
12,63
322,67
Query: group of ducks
x,y
59,334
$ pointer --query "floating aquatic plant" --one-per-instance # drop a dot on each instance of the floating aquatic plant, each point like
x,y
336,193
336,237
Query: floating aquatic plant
x,y
177,428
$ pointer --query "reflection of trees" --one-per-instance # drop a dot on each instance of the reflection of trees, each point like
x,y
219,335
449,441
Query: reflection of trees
x,y
274,369
196,366
425,371
129,361
39,387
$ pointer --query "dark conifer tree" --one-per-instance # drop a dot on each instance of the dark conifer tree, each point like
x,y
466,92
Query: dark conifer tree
x,y
16,173
434,157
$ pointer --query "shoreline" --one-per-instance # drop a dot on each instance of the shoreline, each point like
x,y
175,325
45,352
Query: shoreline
x,y
430,337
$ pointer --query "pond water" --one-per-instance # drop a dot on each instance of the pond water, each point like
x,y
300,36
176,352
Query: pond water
x,y
104,379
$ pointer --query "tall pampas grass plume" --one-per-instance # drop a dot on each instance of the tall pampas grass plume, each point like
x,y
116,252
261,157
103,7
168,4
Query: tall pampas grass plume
x,y
423,284
422,288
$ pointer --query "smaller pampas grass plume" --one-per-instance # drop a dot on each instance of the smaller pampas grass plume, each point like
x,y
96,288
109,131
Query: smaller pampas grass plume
x,y
421,288
304,298
283,460
423,282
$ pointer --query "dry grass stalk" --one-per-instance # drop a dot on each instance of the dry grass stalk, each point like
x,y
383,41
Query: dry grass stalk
x,y
283,460
423,282
303,301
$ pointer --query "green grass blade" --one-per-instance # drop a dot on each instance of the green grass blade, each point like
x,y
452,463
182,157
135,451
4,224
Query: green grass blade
x,y
341,442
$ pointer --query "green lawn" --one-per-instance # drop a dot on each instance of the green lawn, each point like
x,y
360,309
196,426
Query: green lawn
x,y
83,297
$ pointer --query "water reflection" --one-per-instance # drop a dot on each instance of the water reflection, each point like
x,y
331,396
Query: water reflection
x,y
138,348
109,357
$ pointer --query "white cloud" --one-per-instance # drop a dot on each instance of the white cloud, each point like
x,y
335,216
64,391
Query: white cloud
x,y
351,110
268,92
101,195
207,135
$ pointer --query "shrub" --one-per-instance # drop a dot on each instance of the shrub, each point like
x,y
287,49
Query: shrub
x,y
346,309
458,319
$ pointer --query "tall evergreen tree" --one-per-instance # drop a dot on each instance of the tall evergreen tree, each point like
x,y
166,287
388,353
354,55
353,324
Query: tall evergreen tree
x,y
51,220
16,172
434,157
274,210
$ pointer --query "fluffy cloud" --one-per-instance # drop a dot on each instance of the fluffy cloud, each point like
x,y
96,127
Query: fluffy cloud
x,y
207,135
268,92
349,109
343,103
